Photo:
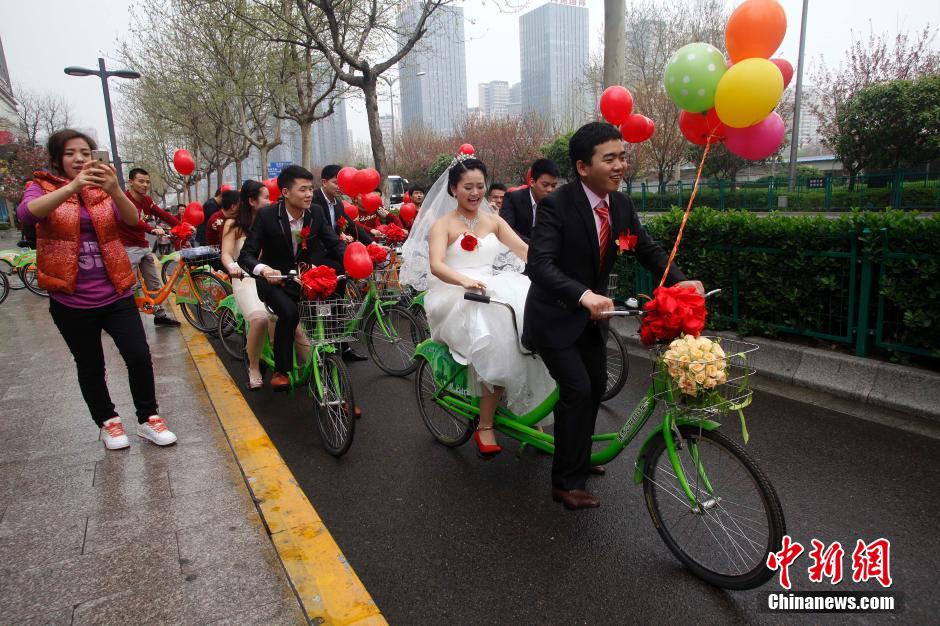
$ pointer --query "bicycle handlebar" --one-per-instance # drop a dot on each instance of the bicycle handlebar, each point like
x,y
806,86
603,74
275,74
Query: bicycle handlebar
x,y
476,297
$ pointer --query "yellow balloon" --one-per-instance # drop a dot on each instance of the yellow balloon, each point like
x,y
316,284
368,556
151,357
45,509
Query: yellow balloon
x,y
748,92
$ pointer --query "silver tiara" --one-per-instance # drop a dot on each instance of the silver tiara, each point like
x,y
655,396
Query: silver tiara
x,y
460,158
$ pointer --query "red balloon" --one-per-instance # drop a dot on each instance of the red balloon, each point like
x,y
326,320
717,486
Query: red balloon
x,y
347,181
225,188
352,211
356,261
274,192
408,212
698,127
193,214
367,180
637,128
466,148
528,177
785,68
616,104
371,202
183,162
406,197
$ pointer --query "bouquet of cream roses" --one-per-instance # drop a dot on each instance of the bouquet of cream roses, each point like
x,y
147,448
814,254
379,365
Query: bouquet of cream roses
x,y
696,364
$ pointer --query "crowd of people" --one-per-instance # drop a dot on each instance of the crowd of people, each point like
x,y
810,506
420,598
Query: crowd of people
x,y
91,242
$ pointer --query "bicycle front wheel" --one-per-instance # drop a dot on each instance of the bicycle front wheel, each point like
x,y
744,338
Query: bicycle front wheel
x,y
228,332
618,365
450,429
209,291
392,342
737,521
335,408
13,277
30,277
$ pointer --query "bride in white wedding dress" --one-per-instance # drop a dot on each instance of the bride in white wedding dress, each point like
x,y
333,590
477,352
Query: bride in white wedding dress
x,y
464,239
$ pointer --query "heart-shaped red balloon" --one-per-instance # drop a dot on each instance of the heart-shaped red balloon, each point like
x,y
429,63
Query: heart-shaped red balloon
x,y
616,104
274,192
356,261
637,128
183,162
367,180
352,211
466,148
408,212
371,202
193,214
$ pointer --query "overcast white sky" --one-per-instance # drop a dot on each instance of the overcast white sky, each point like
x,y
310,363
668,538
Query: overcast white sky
x,y
42,37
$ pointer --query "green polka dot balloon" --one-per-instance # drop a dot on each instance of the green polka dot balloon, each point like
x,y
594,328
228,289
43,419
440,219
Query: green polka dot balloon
x,y
692,75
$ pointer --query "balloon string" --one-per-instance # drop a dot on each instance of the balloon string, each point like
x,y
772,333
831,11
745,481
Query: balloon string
x,y
688,209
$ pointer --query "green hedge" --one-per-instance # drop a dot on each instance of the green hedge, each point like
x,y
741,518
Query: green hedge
x,y
802,274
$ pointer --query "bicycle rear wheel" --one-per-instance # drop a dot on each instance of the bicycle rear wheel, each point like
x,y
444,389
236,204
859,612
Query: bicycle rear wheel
x,y
4,287
618,365
30,277
450,429
229,333
738,520
392,343
335,410
209,290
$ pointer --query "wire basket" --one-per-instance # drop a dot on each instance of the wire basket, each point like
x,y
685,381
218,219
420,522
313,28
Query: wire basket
x,y
200,256
327,321
714,394
385,278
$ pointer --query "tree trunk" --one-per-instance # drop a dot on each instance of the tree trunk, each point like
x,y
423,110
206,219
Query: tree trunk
x,y
209,183
306,147
370,92
220,174
263,162
615,41
238,173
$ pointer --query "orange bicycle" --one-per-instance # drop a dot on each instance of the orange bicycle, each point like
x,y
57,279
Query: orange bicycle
x,y
198,288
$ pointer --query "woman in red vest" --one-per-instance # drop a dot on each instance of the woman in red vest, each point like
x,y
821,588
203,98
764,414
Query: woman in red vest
x,y
82,264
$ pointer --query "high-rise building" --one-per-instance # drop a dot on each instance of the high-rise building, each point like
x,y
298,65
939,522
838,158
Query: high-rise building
x,y
810,141
494,98
9,120
554,50
387,126
515,100
433,76
331,137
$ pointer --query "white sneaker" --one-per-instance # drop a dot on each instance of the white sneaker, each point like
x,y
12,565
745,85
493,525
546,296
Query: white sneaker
x,y
112,434
156,431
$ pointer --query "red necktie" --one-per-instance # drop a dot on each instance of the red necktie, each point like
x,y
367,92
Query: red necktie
x,y
603,238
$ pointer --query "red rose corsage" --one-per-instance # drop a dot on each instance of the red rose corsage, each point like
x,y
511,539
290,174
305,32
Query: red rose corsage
x,y
626,242
469,242
302,237
341,224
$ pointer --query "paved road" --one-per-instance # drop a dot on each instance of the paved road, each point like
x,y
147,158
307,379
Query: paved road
x,y
438,535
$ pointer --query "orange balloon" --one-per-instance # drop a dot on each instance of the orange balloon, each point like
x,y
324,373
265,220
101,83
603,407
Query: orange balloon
x,y
755,29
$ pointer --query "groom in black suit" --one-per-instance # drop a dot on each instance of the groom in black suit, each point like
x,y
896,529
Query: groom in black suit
x,y
572,249
282,236
520,207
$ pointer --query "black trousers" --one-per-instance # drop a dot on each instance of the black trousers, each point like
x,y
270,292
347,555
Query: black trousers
x,y
81,329
581,374
283,301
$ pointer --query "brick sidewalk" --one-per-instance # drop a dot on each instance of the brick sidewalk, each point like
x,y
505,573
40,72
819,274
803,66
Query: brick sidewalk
x,y
142,535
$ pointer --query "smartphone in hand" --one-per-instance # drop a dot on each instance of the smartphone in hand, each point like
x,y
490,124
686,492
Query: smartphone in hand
x,y
101,155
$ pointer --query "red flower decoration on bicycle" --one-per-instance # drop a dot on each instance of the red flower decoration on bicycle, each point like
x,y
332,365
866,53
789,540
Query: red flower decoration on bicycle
x,y
393,233
318,282
182,231
626,242
302,237
378,254
672,311
469,242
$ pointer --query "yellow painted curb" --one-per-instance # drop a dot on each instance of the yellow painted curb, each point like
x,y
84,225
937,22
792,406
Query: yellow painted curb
x,y
329,589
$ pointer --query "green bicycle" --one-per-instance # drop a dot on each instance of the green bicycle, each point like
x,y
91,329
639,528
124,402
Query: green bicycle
x,y
19,266
711,504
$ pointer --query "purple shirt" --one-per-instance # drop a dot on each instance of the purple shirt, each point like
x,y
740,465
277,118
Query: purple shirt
x,y
93,288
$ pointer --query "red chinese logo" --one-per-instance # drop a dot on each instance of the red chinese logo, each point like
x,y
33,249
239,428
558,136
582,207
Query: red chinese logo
x,y
872,560
789,552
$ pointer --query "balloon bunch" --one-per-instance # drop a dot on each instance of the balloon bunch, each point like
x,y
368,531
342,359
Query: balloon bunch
x,y
617,108
734,101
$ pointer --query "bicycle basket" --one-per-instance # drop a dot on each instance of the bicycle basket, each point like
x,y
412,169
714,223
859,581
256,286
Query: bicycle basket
x,y
327,321
385,278
702,381
200,256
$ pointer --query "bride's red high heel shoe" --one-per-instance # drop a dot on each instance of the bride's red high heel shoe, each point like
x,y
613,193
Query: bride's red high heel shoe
x,y
486,450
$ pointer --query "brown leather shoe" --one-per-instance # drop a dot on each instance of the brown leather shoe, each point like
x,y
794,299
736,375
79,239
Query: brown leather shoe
x,y
280,381
358,411
598,470
575,499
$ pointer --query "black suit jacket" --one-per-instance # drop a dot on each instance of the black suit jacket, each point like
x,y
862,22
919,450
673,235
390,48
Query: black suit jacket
x,y
270,242
359,233
209,208
517,211
564,262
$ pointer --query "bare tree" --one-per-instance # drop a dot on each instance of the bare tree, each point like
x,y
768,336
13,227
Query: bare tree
x,y
40,115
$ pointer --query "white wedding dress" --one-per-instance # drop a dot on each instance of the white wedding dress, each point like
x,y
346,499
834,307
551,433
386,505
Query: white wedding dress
x,y
482,335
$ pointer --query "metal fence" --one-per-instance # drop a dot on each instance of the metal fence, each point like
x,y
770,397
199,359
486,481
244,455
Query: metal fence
x,y
854,297
898,190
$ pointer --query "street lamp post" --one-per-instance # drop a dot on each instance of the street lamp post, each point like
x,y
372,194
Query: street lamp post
x,y
104,75
798,100
390,81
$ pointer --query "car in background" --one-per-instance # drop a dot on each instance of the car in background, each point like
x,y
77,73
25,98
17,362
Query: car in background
x,y
393,191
